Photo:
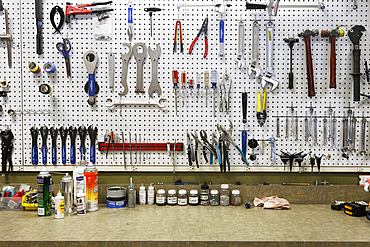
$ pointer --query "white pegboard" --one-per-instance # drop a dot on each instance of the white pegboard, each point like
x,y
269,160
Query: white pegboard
x,y
68,103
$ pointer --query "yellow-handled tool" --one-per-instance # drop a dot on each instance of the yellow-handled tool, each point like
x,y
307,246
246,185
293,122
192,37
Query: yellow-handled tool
x,y
261,113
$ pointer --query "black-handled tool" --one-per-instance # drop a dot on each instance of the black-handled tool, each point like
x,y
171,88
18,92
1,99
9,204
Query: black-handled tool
x,y
291,41
318,162
38,12
72,131
34,150
151,10
6,149
54,138
44,131
63,136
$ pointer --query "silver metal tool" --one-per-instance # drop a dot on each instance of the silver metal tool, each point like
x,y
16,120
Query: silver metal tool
x,y
349,140
225,91
240,58
325,132
129,139
272,143
287,126
198,81
206,83
330,137
354,5
269,49
345,135
111,70
277,126
125,61
91,60
353,131
154,84
130,24
254,70
214,79
315,131
123,150
363,135
292,120
140,59
296,126
311,117
306,128
136,149
7,37
334,132
160,102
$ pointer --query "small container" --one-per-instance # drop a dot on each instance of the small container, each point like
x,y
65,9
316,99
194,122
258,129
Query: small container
x,y
225,195
182,199
236,199
214,199
194,197
116,197
81,203
161,197
172,197
204,195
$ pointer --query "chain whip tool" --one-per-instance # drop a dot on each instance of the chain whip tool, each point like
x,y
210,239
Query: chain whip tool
x,y
214,87
277,126
345,134
334,132
287,126
183,86
175,81
254,70
240,58
306,128
198,85
354,123
330,137
206,83
315,131
363,135
296,126
349,137
325,122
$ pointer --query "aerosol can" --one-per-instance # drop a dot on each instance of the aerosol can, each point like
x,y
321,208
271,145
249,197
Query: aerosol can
x,y
44,201
91,181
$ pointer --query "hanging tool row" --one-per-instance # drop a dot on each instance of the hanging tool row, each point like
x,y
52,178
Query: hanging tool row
x,y
299,158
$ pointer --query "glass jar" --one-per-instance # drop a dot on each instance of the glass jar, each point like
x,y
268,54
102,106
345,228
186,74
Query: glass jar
x,y
194,197
204,195
171,197
161,197
214,199
236,199
225,195
182,199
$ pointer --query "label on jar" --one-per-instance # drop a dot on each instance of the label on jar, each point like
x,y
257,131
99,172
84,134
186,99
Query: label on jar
x,y
172,200
160,200
204,197
182,201
193,200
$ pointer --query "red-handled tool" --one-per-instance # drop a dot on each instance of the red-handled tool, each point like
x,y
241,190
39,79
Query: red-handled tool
x,y
81,9
203,29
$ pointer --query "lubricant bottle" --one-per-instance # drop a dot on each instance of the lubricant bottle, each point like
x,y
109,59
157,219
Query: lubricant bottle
x,y
151,194
91,182
59,206
142,194
44,201
78,182
131,193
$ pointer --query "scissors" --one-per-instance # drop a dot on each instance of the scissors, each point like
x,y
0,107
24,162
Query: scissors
x,y
64,48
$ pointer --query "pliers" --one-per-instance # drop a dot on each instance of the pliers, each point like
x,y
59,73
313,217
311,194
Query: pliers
x,y
219,149
191,156
6,148
225,91
261,113
178,23
197,141
214,144
223,150
207,145
203,29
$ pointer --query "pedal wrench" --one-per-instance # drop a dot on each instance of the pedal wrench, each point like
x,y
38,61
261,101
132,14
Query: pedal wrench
x,y
91,60
158,102
254,68
125,61
269,49
154,84
140,59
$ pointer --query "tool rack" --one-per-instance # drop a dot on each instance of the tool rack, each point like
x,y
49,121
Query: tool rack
x,y
68,103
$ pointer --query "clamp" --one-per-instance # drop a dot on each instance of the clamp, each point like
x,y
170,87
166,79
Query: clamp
x,y
203,29
6,148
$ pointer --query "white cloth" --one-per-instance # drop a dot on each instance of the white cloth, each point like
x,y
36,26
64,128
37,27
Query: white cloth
x,y
272,202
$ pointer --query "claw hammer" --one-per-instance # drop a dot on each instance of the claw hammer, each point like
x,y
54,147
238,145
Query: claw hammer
x,y
307,40
333,34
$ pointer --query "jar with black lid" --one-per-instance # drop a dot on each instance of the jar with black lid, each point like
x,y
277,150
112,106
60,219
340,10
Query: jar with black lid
x,y
161,197
172,197
194,197
182,199
204,195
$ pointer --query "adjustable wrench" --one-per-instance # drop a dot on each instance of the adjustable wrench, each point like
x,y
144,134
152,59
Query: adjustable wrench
x,y
353,127
90,60
154,84
125,61
158,102
240,58
330,137
140,59
363,136
254,70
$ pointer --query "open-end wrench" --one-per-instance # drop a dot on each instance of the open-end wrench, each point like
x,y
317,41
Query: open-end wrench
x,y
90,60
345,135
254,70
353,131
334,132
140,59
125,61
349,137
240,58
330,137
315,131
158,102
325,132
154,84
363,136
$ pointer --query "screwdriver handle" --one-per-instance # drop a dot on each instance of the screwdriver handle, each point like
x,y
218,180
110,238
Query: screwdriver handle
x,y
290,80
244,106
244,142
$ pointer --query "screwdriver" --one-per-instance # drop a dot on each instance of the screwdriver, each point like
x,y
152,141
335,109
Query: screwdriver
x,y
214,87
175,81
206,83
198,85
244,132
191,86
183,86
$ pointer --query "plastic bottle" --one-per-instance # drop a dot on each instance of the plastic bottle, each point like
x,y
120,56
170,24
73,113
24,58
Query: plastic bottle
x,y
131,192
81,203
79,182
142,194
151,194
59,206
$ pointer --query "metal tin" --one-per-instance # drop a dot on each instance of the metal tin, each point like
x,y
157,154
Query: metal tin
x,y
116,197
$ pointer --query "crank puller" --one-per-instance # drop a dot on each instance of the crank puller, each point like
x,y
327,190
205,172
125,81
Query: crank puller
x,y
72,131
54,136
63,136
44,131
93,132
34,151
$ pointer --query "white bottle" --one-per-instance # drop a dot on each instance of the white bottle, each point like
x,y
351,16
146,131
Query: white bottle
x,y
142,194
59,206
151,194
81,203
79,182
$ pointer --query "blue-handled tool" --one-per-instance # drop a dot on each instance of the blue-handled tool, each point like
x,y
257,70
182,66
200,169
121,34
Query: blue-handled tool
x,y
367,71
221,53
63,136
54,136
244,132
93,132
82,131
91,87
44,131
72,131
65,48
34,151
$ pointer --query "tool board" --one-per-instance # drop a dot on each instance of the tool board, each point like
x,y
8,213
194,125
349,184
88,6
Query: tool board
x,y
67,105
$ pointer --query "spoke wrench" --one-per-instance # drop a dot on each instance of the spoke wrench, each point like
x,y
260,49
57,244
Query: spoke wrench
x,y
140,59
125,61
154,84
72,131
91,87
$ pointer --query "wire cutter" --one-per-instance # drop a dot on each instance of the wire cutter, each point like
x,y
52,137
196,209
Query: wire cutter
x,y
261,113
65,48
6,149
179,28
207,145
191,156
203,29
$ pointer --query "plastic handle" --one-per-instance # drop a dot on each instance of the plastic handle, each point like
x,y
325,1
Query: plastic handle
x,y
205,47
130,19
243,157
83,152
244,106
44,152
227,159
91,84
244,142
73,154
34,155
64,157
290,80
333,72
356,75
211,158
192,45
54,155
310,78
222,31
92,154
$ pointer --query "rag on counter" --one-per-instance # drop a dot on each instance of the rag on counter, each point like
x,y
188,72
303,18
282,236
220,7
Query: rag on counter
x,y
271,202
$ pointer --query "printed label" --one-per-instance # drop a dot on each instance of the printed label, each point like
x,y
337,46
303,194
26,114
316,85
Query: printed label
x,y
204,197
41,211
193,200
172,200
160,200
182,201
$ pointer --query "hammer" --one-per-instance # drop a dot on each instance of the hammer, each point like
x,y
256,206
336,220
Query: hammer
x,y
333,34
307,40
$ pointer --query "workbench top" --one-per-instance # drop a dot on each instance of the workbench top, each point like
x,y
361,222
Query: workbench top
x,y
303,222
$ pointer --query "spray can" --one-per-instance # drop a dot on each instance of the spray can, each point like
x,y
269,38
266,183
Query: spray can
x,y
131,194
67,191
44,201
59,206
78,182
91,180
81,203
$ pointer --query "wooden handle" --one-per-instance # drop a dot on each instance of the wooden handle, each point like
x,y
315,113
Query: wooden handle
x,y
333,72
310,78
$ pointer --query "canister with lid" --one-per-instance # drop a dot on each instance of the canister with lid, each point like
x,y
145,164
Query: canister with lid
x,y
182,198
236,199
204,195
214,198
172,197
161,197
225,195
193,197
